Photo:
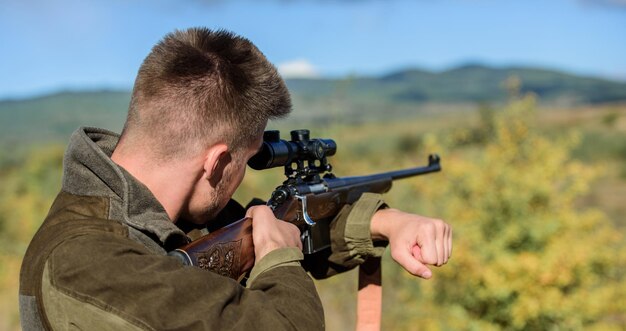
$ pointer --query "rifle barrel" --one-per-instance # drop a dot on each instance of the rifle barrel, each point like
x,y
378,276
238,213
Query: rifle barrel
x,y
433,166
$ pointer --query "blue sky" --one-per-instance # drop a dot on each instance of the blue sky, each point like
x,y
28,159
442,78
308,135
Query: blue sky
x,y
50,45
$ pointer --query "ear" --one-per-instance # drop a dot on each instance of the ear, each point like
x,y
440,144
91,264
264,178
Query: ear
x,y
217,158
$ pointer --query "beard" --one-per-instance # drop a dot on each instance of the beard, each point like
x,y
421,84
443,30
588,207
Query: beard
x,y
214,203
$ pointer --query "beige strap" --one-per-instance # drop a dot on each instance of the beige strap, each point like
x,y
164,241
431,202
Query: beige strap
x,y
370,296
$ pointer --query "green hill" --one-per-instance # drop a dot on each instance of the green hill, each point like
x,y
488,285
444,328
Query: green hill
x,y
468,83
55,117
347,100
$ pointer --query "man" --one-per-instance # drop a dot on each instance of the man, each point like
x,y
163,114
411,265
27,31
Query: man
x,y
198,110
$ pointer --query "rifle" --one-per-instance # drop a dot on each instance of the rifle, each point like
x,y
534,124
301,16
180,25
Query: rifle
x,y
306,199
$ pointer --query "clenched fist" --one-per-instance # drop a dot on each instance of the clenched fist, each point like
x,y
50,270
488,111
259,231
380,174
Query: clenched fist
x,y
415,241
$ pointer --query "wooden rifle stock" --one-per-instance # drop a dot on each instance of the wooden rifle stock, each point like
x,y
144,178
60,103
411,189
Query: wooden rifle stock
x,y
228,251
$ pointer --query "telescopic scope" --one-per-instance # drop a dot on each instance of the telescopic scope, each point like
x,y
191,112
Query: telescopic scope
x,y
277,152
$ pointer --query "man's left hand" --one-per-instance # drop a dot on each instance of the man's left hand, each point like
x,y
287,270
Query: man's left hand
x,y
415,241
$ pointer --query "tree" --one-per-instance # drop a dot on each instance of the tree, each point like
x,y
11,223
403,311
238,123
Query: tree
x,y
28,186
525,256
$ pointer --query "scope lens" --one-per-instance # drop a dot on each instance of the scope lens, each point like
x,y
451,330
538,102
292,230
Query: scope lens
x,y
271,155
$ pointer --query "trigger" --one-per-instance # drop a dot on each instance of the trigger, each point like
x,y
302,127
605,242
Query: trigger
x,y
307,219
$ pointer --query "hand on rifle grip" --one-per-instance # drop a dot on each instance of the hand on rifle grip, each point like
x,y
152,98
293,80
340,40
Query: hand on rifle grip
x,y
270,233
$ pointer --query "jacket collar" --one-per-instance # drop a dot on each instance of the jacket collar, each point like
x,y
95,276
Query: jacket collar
x,y
89,170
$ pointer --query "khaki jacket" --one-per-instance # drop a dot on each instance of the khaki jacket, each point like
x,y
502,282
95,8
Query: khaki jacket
x,y
99,260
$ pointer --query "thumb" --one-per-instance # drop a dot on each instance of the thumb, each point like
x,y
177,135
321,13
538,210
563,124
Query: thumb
x,y
409,259
250,211
258,211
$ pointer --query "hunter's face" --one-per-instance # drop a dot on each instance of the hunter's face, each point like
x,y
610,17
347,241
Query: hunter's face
x,y
238,171
205,204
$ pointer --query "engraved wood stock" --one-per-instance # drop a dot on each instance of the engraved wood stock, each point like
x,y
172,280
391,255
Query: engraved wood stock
x,y
228,251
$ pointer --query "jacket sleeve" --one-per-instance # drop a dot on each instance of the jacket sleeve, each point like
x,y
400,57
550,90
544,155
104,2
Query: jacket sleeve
x,y
106,279
351,240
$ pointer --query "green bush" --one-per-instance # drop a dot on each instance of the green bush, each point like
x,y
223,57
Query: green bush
x,y
525,257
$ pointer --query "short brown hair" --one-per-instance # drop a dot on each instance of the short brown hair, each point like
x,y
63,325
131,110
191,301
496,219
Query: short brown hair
x,y
200,85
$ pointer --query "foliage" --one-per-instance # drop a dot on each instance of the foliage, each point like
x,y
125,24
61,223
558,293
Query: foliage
x,y
525,257
26,193
610,119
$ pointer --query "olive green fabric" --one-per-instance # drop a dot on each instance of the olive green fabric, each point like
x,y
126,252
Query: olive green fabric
x,y
69,217
89,171
69,313
104,246
357,229
156,292
277,258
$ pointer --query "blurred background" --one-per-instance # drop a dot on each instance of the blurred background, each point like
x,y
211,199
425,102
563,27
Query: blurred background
x,y
525,101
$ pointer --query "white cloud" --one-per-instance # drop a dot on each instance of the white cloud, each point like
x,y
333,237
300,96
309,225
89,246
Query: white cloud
x,y
299,68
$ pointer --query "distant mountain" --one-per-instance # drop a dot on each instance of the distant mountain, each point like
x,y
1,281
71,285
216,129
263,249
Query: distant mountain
x,y
54,117
394,95
469,83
